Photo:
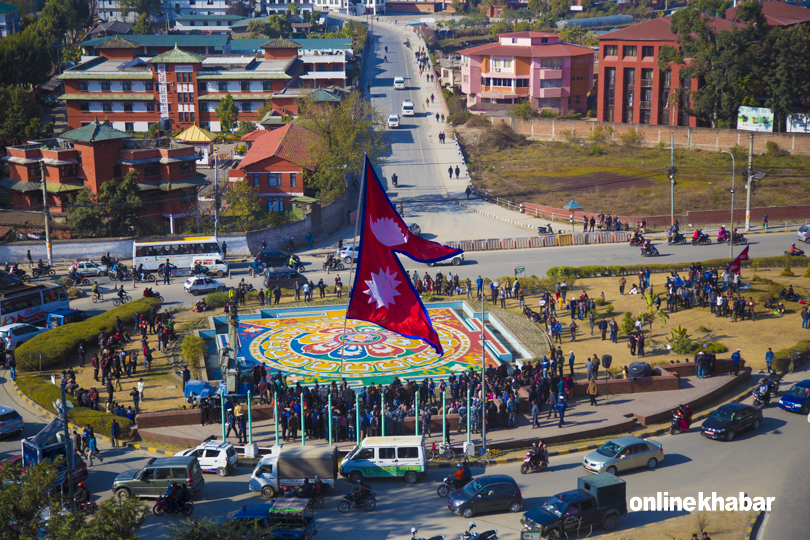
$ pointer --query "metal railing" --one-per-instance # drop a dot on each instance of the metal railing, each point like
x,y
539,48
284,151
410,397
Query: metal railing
x,y
646,83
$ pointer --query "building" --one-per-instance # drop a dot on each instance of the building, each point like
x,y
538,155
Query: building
x,y
277,165
110,10
9,19
205,23
778,14
108,29
97,153
153,45
631,87
527,66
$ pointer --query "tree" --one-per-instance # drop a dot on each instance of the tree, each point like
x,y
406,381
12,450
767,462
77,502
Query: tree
x,y
536,6
113,519
577,35
194,350
239,8
474,20
348,131
139,6
120,203
63,19
787,79
83,216
243,203
524,111
20,114
25,58
265,108
143,26
559,8
245,128
227,113
293,9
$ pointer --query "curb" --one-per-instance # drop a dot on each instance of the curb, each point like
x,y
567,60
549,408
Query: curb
x,y
751,524
493,216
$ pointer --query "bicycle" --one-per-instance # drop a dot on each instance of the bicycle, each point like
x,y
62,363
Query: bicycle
x,y
121,300
98,297
442,451
475,461
491,455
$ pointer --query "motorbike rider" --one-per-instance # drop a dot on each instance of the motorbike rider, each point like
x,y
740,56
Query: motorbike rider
x,y
763,392
318,486
95,289
461,476
360,493
647,246
42,266
172,497
794,250
721,232
121,293
306,489
539,454
198,269
637,237
697,234
82,494
394,179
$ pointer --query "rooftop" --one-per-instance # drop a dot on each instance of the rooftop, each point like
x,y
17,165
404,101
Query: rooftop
x,y
291,143
655,30
217,42
534,51
778,14
176,56
136,69
117,42
94,132
7,8
209,18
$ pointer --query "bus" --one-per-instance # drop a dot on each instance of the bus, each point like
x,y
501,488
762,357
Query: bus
x,y
182,253
31,303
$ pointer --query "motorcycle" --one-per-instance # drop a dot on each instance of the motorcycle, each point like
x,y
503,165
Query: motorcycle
x,y
44,271
20,274
334,264
149,293
530,466
414,531
80,280
637,241
162,506
651,251
798,253
761,400
87,507
702,240
120,275
471,535
368,504
394,180
676,239
679,423
450,484
739,239
315,501
145,276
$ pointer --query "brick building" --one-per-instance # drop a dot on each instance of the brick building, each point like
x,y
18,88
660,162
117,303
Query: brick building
x,y
96,153
631,87
277,165
527,66
778,14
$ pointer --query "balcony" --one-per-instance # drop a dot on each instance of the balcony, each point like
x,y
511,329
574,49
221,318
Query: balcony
x,y
646,83
645,104
546,73
324,75
323,58
553,92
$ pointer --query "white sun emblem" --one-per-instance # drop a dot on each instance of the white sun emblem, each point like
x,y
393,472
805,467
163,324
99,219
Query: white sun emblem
x,y
388,232
382,288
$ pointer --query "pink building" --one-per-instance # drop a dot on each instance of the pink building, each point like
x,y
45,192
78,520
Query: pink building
x,y
530,66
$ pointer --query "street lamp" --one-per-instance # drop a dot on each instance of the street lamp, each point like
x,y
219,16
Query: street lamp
x,y
733,173
484,366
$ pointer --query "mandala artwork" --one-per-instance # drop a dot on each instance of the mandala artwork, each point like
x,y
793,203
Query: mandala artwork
x,y
315,347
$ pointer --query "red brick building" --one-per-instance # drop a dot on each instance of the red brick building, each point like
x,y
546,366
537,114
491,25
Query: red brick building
x,y
778,14
97,153
631,87
277,165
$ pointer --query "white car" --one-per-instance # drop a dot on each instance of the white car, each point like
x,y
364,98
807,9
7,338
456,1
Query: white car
x,y
214,456
393,121
17,333
91,269
455,260
399,83
197,285
348,253
407,108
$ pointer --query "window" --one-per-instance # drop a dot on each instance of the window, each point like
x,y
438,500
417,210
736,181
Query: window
x,y
148,86
292,179
106,106
274,179
178,77
611,50
116,171
386,453
105,85
185,116
256,179
127,85
191,117
68,171
201,86
152,52
84,107
548,103
245,86
127,106
407,452
33,170
150,107
246,106
553,63
82,85
187,167
151,169
276,204
551,83
629,51
647,51
223,86
191,98
267,85
129,126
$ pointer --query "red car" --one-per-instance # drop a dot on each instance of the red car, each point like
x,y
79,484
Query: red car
x,y
80,472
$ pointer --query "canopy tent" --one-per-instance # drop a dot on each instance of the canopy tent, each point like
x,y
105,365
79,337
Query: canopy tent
x,y
196,135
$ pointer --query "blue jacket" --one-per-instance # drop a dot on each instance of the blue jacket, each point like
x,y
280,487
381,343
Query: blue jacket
x,y
736,357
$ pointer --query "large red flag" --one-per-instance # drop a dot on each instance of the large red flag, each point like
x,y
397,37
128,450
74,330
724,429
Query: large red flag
x,y
735,266
382,293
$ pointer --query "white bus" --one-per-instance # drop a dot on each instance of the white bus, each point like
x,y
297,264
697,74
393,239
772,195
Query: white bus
x,y
182,253
31,303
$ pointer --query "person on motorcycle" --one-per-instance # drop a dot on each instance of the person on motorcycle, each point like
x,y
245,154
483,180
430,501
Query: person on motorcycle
x,y
461,476
763,392
538,454
82,494
394,179
306,489
637,237
74,274
721,232
385,59
697,234
794,250
318,487
386,49
172,497
198,269
42,266
358,493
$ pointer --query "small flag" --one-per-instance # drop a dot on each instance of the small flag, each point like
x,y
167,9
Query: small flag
x,y
734,267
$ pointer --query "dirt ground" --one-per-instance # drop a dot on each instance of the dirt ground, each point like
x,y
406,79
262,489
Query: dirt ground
x,y
719,526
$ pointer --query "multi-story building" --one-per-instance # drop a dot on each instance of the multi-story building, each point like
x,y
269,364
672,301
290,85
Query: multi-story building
x,y
779,14
527,66
112,9
277,164
153,45
205,23
9,19
632,88
97,153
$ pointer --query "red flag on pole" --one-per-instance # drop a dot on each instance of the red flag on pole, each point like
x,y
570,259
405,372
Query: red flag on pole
x,y
382,292
734,267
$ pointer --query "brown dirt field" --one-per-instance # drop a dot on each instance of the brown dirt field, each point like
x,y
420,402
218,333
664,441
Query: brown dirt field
x,y
599,182
719,526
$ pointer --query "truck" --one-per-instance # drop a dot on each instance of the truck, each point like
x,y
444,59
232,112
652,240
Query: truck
x,y
288,465
599,500
284,519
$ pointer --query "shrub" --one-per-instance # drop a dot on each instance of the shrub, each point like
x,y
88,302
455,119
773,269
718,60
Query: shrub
x,y
477,121
570,136
591,113
600,134
786,271
780,358
193,348
548,113
241,149
459,118
807,272
631,139
609,309
74,293
216,299
628,322
596,150
600,301
703,329
772,149
57,347
740,153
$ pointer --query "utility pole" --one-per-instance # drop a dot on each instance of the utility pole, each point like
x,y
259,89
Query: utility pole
x,y
672,178
749,183
69,458
47,213
216,192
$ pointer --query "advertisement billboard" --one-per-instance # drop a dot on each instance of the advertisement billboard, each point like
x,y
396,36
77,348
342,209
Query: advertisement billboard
x,y
754,119
798,123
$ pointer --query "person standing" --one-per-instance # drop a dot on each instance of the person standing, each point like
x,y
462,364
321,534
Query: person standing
x,y
450,171
277,295
261,297
769,359
640,344
592,391
535,413
735,361
765,222
561,406
167,273
30,260
136,398
603,326
309,240
457,172
115,433
571,362
622,283
224,250
186,376
92,446
552,404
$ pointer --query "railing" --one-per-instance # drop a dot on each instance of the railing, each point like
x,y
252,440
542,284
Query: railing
x,y
646,83
515,207
646,104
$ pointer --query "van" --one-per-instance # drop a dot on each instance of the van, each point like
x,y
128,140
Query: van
x,y
215,265
62,317
407,108
153,480
285,278
385,457
399,83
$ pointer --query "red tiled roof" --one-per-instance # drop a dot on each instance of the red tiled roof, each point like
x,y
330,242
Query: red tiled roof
x,y
655,30
254,135
291,143
779,14
536,51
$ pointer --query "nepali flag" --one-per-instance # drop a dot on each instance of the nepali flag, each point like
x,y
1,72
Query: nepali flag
x,y
382,293
734,267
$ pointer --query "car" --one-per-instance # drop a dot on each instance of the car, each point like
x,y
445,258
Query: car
x,y
399,83
407,108
797,399
17,333
455,260
348,253
214,456
197,285
272,257
10,422
285,279
415,229
623,454
393,121
90,269
486,494
803,233
726,421
79,474
154,478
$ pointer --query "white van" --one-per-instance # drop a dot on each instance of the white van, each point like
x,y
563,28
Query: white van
x,y
216,265
407,108
399,83
386,457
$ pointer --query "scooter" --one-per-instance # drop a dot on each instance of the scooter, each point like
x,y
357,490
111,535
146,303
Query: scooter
x,y
44,271
679,423
637,241
414,531
798,253
19,273
761,400
702,240
162,507
676,239
486,535
87,507
530,466
651,251
450,484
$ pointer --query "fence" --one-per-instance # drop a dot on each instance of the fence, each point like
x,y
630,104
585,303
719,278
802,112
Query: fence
x,y
549,240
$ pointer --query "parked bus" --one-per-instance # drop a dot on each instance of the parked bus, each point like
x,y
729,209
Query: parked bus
x,y
31,303
182,253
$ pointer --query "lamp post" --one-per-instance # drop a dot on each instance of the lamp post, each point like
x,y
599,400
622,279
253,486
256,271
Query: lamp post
x,y
731,231
484,368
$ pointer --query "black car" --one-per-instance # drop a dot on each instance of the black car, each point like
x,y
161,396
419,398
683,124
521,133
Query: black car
x,y
486,494
730,419
273,257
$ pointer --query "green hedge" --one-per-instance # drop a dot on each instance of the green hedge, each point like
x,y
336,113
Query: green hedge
x,y
781,360
57,347
567,272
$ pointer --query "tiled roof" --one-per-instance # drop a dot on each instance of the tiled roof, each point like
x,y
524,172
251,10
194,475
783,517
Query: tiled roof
x,y
536,51
51,187
94,132
272,118
281,43
93,96
313,44
122,76
117,42
216,41
291,143
254,135
655,30
321,95
176,56
779,14
247,45
529,34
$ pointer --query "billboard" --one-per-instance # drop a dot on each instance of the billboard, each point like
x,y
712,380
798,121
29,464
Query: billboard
x,y
798,123
754,119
